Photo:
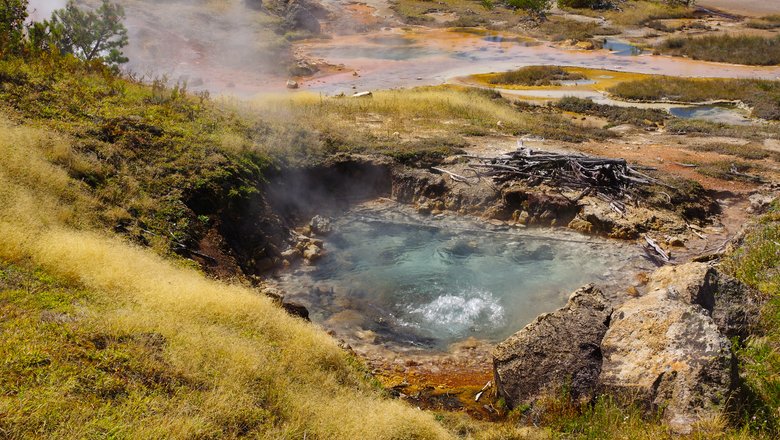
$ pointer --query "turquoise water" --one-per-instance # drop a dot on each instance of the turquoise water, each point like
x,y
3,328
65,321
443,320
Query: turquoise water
x,y
712,113
429,283
621,48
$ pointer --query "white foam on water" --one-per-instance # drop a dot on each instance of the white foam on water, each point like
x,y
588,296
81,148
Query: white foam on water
x,y
456,314
421,282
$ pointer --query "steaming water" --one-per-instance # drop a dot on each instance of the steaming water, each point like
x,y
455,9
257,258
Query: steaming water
x,y
428,283
402,51
403,58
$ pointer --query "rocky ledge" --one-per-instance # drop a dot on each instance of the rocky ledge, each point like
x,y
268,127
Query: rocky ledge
x,y
670,211
667,351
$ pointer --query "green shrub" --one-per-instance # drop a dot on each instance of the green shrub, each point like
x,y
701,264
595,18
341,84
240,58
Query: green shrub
x,y
535,76
533,7
738,49
583,4
762,95
642,117
13,14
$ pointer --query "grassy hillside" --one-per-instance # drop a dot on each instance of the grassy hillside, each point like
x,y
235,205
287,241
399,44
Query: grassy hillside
x,y
141,150
104,332
102,338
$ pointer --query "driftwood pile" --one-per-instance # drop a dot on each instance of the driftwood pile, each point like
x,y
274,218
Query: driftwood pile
x,y
612,180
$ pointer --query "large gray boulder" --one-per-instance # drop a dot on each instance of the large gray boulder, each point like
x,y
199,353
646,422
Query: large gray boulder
x,y
559,348
737,310
664,350
693,283
301,15
667,350
734,307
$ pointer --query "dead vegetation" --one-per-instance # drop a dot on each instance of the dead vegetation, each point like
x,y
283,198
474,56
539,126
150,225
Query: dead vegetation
x,y
610,179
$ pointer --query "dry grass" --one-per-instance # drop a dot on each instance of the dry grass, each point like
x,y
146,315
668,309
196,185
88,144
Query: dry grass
x,y
635,13
768,22
243,367
559,29
428,120
468,13
750,151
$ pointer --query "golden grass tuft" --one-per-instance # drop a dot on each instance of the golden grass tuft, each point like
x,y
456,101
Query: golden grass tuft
x,y
425,119
247,367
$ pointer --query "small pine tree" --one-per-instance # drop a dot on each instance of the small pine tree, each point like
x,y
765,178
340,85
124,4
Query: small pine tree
x,y
90,35
536,8
13,14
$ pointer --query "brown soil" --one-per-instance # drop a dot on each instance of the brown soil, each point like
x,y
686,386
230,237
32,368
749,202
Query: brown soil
x,y
448,381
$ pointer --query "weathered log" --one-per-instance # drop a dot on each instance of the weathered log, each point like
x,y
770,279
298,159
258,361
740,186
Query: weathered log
x,y
453,176
654,245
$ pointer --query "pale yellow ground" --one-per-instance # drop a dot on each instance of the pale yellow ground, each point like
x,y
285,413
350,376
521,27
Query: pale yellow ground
x,y
744,7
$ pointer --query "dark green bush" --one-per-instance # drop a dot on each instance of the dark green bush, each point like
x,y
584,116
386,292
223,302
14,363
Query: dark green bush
x,y
535,76
583,4
642,117
738,49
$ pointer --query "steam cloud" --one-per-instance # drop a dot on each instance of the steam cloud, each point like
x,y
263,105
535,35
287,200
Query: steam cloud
x,y
222,46
42,9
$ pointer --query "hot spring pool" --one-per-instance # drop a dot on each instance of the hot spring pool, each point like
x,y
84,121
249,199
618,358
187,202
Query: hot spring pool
x,y
418,282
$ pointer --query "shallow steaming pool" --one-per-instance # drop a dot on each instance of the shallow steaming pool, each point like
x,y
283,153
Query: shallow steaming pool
x,y
413,281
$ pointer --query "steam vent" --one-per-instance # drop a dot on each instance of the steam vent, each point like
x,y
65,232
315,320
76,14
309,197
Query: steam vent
x,y
390,219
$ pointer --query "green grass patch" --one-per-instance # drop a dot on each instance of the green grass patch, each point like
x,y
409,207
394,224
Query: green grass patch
x,y
756,262
737,49
750,151
642,117
560,29
762,95
535,76
141,149
767,22
724,170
